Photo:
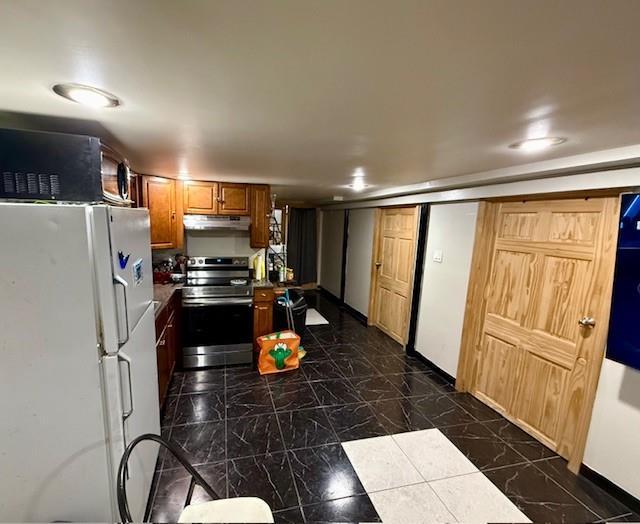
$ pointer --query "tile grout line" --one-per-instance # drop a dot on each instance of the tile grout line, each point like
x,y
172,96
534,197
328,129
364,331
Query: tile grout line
x,y
568,492
339,443
226,438
286,451
422,476
616,517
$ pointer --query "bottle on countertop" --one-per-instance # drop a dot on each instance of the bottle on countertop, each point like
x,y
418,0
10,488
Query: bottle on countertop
x,y
258,268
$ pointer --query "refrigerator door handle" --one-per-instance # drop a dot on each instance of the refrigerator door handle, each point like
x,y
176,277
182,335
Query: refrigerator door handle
x,y
124,358
118,280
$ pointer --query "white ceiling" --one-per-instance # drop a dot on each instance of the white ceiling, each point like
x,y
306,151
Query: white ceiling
x,y
298,93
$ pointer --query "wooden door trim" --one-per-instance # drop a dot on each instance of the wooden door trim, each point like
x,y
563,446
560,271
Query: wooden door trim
x,y
600,304
371,320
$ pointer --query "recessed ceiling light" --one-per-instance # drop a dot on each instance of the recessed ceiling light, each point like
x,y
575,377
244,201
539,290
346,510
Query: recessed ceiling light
x,y
358,172
86,95
358,184
537,144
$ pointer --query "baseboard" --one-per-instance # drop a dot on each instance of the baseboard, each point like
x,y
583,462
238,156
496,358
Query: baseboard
x,y
613,489
355,313
328,294
434,367
343,305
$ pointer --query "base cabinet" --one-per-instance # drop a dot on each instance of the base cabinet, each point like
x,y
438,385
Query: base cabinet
x,y
167,344
262,316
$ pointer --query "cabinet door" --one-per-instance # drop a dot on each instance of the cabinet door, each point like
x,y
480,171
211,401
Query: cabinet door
x,y
163,366
260,214
262,320
234,199
200,198
171,345
159,196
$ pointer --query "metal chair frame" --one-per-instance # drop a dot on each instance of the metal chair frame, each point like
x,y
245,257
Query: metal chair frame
x,y
196,478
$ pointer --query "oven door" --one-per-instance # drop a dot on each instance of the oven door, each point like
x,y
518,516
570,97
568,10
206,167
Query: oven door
x,y
217,331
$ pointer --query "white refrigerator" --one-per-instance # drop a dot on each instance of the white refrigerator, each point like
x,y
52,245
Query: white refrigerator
x,y
78,373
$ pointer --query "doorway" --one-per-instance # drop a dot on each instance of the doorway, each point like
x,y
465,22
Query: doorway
x,y
392,270
537,313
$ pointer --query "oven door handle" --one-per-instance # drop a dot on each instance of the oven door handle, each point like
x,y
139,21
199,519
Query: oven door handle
x,y
226,301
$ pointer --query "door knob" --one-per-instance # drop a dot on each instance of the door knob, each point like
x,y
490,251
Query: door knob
x,y
378,264
587,322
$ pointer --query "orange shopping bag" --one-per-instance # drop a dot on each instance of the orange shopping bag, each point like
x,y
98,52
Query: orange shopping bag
x,y
278,352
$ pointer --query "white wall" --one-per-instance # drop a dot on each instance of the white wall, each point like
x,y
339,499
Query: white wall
x,y
613,444
331,251
444,285
359,251
227,243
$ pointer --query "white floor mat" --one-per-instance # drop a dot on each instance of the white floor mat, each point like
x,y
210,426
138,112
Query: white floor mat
x,y
314,318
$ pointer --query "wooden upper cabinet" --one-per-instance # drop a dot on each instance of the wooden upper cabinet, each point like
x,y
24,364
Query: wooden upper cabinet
x,y
200,198
159,196
260,214
234,199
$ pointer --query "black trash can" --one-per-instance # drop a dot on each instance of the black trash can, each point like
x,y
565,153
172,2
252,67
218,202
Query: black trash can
x,y
299,308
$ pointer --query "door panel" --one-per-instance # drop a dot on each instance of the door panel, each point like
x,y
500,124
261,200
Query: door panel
x,y
200,198
498,362
561,296
394,254
510,284
549,265
234,199
539,396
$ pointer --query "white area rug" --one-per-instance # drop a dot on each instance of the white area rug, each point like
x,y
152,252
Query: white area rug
x,y
314,318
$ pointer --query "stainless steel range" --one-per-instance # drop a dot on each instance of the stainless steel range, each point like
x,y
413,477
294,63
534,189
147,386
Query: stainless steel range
x,y
218,314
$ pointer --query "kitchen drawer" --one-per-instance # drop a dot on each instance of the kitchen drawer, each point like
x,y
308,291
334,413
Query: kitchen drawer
x,y
263,295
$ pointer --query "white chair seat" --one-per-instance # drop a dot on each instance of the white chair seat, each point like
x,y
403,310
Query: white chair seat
x,y
240,509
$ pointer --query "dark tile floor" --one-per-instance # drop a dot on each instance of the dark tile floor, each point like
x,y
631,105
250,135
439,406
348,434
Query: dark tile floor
x,y
278,437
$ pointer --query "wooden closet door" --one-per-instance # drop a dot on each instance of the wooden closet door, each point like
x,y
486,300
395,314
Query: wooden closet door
x,y
395,260
538,358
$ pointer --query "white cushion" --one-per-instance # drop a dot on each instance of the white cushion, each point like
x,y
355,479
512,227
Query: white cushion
x,y
240,509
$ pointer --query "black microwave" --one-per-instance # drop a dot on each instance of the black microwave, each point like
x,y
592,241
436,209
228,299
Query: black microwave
x,y
37,165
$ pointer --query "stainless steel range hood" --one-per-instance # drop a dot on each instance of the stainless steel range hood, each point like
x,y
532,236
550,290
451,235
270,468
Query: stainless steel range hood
x,y
211,223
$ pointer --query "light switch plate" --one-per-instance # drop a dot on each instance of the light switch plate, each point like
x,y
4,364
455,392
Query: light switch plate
x,y
437,256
